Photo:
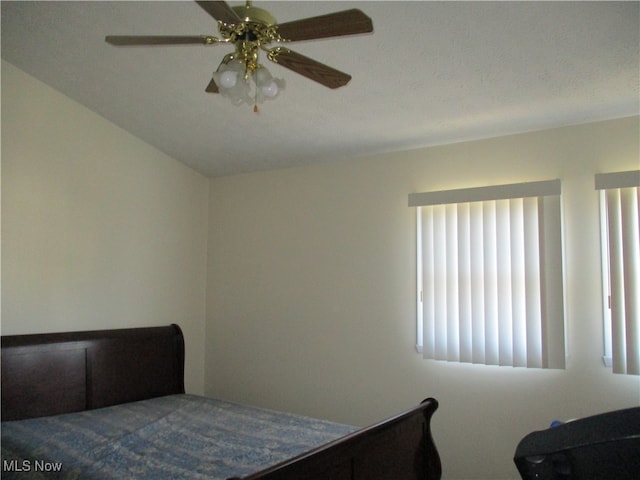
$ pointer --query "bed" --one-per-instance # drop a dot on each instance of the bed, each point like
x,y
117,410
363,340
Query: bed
x,y
112,404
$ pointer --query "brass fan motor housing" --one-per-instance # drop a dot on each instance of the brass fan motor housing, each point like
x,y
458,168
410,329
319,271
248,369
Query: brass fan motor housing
x,y
257,28
256,25
250,14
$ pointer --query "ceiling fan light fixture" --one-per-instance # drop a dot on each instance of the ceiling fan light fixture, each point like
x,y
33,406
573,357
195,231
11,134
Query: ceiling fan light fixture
x,y
236,82
240,76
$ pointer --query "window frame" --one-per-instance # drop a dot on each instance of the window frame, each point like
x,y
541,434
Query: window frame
x,y
489,193
605,184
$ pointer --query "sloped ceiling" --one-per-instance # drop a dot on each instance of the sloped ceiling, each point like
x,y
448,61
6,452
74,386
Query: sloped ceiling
x,y
430,73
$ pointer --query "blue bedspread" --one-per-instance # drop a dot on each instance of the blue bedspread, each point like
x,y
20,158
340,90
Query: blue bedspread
x,y
172,437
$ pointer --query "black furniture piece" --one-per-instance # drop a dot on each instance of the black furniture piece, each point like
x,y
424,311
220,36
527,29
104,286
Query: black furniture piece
x,y
600,447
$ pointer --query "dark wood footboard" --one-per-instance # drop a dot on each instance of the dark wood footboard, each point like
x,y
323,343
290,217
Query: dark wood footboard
x,y
399,448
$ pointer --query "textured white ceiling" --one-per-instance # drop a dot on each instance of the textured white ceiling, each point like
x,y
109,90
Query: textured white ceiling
x,y
431,73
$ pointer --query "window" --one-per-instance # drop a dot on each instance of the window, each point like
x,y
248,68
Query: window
x,y
490,284
619,206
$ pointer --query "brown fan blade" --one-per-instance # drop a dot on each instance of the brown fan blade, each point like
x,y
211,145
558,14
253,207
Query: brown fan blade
x,y
347,22
327,76
220,11
212,87
128,40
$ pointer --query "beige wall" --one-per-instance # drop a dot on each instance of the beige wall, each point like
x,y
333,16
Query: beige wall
x,y
311,293
99,230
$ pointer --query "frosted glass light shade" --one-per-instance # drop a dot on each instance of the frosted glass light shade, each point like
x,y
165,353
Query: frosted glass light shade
x,y
227,79
267,87
231,82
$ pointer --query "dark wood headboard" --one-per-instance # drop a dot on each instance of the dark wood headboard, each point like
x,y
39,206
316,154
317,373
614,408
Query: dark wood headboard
x,y
54,373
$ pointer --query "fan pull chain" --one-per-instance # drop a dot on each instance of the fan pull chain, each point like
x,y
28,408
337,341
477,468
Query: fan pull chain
x,y
255,102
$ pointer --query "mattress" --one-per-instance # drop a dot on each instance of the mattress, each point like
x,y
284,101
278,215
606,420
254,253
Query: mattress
x,y
172,437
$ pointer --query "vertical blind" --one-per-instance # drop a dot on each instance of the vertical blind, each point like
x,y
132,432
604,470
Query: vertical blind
x,y
620,200
490,275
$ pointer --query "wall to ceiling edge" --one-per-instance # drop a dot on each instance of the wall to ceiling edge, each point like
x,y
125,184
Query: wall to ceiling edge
x,y
311,293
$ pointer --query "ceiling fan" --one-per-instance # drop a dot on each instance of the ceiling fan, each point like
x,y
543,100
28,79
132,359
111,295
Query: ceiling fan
x,y
253,30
